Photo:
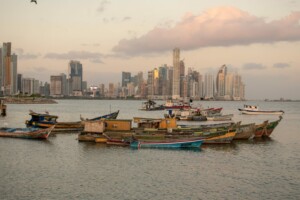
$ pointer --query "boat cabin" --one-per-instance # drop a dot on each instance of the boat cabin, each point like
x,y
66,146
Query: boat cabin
x,y
117,124
250,107
45,118
155,123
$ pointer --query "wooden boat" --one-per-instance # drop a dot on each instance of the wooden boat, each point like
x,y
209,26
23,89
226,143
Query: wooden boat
x,y
266,128
41,120
220,117
150,105
245,131
191,143
254,110
26,133
210,111
225,138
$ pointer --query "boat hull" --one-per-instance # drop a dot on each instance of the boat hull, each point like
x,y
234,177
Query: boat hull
x,y
245,132
266,128
26,133
253,112
167,144
221,139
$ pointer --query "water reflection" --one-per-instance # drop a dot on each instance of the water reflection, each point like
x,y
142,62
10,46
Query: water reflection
x,y
220,147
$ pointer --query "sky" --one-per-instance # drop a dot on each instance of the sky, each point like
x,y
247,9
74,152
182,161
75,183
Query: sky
x,y
260,40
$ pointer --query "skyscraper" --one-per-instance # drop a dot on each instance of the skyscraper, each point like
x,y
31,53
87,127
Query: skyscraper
x,y
75,76
176,74
8,70
208,86
126,78
221,81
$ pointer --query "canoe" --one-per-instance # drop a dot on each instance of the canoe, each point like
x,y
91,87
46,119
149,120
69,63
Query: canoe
x,y
175,144
266,128
26,133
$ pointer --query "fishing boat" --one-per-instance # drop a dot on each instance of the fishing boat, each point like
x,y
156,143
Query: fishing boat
x,y
224,138
266,128
172,104
211,111
150,105
254,110
45,120
219,117
245,131
191,143
26,133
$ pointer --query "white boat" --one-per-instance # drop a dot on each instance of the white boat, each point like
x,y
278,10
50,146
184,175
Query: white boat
x,y
254,110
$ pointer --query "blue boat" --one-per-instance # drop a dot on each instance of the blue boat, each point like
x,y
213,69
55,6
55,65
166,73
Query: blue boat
x,y
191,143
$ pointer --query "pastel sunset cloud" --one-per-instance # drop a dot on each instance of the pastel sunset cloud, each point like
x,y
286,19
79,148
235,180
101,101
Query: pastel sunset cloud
x,y
221,26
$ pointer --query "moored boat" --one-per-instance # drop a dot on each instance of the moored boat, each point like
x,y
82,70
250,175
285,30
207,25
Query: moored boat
x,y
150,105
45,120
266,128
254,110
172,104
227,117
245,131
189,143
26,133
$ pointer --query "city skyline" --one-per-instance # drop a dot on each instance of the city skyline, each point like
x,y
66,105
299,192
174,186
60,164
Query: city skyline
x,y
260,40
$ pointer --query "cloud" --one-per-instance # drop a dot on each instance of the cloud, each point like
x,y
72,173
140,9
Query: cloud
x,y
253,66
73,55
102,6
221,26
25,56
281,65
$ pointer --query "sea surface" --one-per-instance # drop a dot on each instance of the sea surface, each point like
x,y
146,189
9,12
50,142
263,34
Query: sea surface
x,y
63,168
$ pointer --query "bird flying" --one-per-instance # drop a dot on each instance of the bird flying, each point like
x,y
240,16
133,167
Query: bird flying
x,y
33,1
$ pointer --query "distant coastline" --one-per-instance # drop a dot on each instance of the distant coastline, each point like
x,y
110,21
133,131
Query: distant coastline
x,y
28,100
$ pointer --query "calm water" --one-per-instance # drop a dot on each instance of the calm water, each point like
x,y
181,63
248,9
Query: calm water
x,y
62,168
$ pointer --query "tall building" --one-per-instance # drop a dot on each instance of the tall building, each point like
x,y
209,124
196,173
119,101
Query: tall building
x,y
176,74
238,92
208,86
19,83
221,82
56,86
150,84
228,86
75,76
28,86
14,74
8,70
183,80
126,78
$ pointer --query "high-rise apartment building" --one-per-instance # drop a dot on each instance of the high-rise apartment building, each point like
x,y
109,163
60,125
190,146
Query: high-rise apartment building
x,y
75,76
221,82
176,74
28,86
126,78
8,70
19,82
56,86
208,86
